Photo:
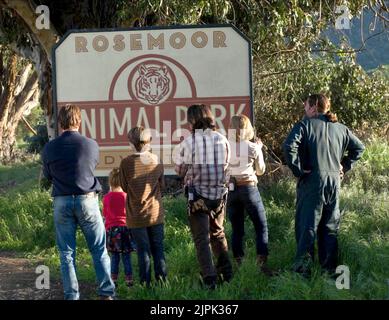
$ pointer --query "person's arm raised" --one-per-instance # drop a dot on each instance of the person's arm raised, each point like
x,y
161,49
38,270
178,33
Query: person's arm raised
x,y
259,162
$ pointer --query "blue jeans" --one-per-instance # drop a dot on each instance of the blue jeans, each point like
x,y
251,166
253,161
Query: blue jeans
x,y
115,261
149,242
241,199
83,211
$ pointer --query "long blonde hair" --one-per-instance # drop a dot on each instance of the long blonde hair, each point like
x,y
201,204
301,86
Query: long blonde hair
x,y
243,128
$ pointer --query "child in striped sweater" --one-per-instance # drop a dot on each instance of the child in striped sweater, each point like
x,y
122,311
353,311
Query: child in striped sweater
x,y
141,177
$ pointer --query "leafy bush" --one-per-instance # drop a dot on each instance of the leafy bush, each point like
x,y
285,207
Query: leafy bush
x,y
360,100
36,143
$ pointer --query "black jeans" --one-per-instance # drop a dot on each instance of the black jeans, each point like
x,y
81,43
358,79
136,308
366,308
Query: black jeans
x,y
149,242
115,261
241,199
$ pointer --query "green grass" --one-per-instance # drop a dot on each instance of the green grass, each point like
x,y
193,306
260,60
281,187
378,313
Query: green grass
x,y
26,225
19,178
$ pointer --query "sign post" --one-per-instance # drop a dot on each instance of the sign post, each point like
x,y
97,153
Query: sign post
x,y
125,78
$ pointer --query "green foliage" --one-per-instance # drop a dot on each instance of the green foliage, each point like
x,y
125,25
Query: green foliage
x,y
291,58
382,71
18,177
359,100
36,143
372,176
271,25
12,29
34,118
28,220
26,224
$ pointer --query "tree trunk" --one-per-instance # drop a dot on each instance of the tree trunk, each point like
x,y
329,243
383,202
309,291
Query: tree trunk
x,y
39,54
19,94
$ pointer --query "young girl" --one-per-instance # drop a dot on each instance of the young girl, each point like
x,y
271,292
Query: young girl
x,y
246,163
141,177
119,241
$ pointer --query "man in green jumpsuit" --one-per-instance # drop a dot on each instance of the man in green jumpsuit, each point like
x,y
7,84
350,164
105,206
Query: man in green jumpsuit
x,y
319,150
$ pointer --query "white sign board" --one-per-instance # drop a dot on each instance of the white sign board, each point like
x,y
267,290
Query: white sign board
x,y
149,77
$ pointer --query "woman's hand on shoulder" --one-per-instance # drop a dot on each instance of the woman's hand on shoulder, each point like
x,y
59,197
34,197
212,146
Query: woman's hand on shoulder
x,y
258,141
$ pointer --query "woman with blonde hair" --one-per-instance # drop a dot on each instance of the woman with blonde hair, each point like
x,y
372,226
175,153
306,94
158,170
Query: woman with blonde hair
x,y
246,164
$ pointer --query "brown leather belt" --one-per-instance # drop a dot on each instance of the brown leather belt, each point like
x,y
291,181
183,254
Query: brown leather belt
x,y
245,183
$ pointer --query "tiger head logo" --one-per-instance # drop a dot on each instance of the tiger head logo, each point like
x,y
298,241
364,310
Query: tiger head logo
x,y
153,84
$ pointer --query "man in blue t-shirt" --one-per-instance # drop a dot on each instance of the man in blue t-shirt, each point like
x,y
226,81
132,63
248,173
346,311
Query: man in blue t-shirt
x,y
69,162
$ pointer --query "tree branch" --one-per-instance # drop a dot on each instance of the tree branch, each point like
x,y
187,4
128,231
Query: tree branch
x,y
377,13
46,38
29,127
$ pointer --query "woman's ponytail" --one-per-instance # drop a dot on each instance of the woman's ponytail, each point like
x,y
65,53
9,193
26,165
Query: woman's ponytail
x,y
331,116
323,105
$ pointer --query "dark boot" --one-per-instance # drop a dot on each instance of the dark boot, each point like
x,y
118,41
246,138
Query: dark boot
x,y
303,266
238,261
262,263
224,267
209,283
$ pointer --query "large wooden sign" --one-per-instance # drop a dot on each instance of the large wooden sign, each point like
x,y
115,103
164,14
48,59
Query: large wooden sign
x,y
124,78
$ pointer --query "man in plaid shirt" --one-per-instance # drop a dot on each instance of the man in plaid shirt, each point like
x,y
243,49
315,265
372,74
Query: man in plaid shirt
x,y
211,158
202,161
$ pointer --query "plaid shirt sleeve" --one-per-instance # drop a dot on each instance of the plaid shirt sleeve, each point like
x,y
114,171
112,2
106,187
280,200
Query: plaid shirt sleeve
x,y
181,166
228,159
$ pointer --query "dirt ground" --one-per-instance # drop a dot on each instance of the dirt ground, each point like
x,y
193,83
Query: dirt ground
x,y
17,281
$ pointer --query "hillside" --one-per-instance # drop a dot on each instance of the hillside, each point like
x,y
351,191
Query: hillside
x,y
376,50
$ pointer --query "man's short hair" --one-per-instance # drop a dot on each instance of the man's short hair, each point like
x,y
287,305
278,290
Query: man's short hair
x,y
69,117
139,137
